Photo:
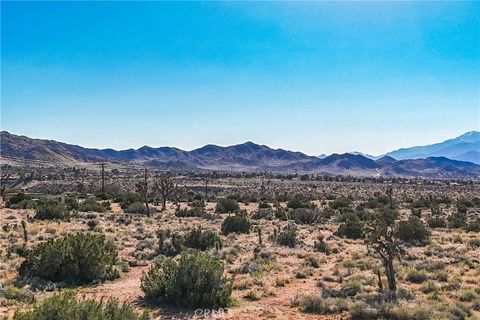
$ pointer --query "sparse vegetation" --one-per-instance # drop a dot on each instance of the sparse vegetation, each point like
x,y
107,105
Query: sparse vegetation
x,y
76,258
196,280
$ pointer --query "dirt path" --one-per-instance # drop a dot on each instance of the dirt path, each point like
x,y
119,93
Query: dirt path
x,y
125,289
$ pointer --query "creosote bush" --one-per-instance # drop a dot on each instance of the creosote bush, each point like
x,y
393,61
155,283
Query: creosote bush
x,y
238,223
66,307
225,205
306,216
412,231
437,222
193,212
91,205
51,210
457,220
201,239
287,236
196,280
76,258
351,226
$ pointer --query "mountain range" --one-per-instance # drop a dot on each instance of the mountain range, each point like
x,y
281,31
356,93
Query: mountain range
x,y
15,149
465,148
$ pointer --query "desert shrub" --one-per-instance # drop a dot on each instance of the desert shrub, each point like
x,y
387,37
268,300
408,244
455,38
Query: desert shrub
x,y
20,201
474,243
225,205
315,304
341,202
457,220
416,276
322,246
51,210
76,258
287,236
16,199
298,202
137,207
362,311
126,199
351,227
238,223
65,307
267,214
71,203
196,280
91,205
437,222
201,239
11,292
473,226
192,212
170,244
468,296
247,198
412,231
306,216
264,205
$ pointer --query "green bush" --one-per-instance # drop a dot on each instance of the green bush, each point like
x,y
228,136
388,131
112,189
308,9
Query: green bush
x,y
298,202
473,226
351,227
437,222
169,247
238,223
91,205
267,214
340,203
201,239
225,205
76,258
416,276
412,231
66,307
126,199
51,210
264,205
457,220
306,216
136,207
16,199
287,236
20,201
193,212
196,280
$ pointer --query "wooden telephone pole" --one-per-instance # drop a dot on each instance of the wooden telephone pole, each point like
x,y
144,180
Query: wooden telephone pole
x,y
103,177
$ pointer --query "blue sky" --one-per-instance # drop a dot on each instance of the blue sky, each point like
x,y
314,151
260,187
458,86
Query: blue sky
x,y
314,77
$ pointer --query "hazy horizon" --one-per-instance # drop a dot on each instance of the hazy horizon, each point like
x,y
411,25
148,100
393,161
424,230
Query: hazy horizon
x,y
310,77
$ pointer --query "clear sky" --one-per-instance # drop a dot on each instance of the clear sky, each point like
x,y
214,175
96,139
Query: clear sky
x,y
313,77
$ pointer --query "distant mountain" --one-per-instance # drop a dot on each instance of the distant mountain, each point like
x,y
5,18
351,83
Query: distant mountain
x,y
385,160
432,167
20,150
246,156
369,156
465,148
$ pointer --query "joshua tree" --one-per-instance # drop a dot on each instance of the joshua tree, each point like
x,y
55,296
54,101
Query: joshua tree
x,y
165,187
142,189
382,243
25,232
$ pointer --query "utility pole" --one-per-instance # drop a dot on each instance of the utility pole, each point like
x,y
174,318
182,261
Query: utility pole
x,y
262,188
103,177
206,188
